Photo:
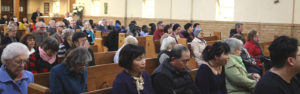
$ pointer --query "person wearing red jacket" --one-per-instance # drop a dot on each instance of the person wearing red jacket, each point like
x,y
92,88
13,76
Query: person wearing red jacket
x,y
159,31
255,50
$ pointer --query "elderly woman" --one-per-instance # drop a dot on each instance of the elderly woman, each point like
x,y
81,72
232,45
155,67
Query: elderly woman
x,y
165,48
44,57
70,76
238,80
210,77
198,44
255,50
67,44
14,79
11,35
134,79
127,40
29,41
89,32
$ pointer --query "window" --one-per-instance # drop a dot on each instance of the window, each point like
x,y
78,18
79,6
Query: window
x,y
56,6
225,10
148,8
96,8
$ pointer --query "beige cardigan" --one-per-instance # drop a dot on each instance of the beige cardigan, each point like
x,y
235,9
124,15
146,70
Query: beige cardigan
x,y
197,48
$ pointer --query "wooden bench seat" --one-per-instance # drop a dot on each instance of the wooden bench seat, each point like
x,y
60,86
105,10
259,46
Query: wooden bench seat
x,y
104,57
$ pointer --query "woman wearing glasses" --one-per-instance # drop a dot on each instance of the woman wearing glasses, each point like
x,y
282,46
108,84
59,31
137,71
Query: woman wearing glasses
x,y
14,79
10,35
70,76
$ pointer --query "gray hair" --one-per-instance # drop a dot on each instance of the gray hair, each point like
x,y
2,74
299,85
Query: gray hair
x,y
177,50
66,33
40,24
130,40
234,44
77,56
51,21
10,27
166,43
12,50
57,24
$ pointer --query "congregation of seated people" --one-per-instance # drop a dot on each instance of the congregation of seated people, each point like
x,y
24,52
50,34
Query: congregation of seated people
x,y
230,66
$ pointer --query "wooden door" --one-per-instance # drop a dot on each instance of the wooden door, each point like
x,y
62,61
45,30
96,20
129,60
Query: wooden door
x,y
7,8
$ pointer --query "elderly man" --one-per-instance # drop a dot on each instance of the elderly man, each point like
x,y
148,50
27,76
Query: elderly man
x,y
72,25
14,79
60,26
237,30
11,35
51,29
103,26
40,33
35,15
285,56
159,31
172,77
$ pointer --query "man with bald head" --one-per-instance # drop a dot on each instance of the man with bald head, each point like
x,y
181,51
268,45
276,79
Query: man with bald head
x,y
60,26
36,14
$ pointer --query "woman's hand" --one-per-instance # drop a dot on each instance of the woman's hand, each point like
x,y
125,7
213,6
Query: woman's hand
x,y
255,76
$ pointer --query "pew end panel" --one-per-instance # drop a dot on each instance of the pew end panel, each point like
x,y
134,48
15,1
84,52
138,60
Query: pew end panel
x,y
34,88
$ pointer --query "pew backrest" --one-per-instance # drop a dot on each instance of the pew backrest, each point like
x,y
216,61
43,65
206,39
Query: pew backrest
x,y
35,88
104,57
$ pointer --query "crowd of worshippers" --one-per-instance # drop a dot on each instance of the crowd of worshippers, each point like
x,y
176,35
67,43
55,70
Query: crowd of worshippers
x,y
230,66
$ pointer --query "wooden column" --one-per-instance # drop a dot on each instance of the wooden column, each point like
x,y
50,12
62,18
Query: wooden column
x,y
17,9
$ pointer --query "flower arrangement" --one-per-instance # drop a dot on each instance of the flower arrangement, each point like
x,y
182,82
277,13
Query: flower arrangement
x,y
77,10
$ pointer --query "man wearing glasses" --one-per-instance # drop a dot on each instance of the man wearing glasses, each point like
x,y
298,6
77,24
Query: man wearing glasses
x,y
280,79
40,33
159,31
60,26
14,79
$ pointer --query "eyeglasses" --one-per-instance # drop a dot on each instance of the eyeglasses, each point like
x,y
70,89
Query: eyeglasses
x,y
20,62
62,26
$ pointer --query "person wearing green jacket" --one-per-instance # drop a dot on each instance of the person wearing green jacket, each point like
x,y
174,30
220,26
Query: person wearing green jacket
x,y
238,80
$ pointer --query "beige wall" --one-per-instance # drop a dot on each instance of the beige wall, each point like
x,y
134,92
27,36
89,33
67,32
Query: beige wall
x,y
297,12
204,10
263,11
162,9
134,8
181,9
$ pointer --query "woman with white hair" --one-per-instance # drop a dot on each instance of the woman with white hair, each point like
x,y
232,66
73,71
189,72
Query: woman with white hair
x,y
128,40
165,48
70,77
89,32
11,35
14,79
198,44
238,80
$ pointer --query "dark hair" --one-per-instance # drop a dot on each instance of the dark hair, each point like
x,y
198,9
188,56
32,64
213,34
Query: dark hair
x,y
66,22
153,28
78,35
195,25
133,22
128,53
145,28
251,35
238,25
187,26
26,37
177,50
281,49
239,36
78,23
118,22
23,21
50,44
166,28
217,49
175,27
159,23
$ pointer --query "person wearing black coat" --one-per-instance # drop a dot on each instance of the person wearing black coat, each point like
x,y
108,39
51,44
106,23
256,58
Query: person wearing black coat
x,y
35,15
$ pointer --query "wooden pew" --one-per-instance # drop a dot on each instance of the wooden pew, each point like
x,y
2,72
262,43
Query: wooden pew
x,y
148,43
78,30
101,91
104,57
20,33
99,44
121,39
192,64
94,48
157,46
4,29
42,79
104,34
182,41
193,73
98,34
34,88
